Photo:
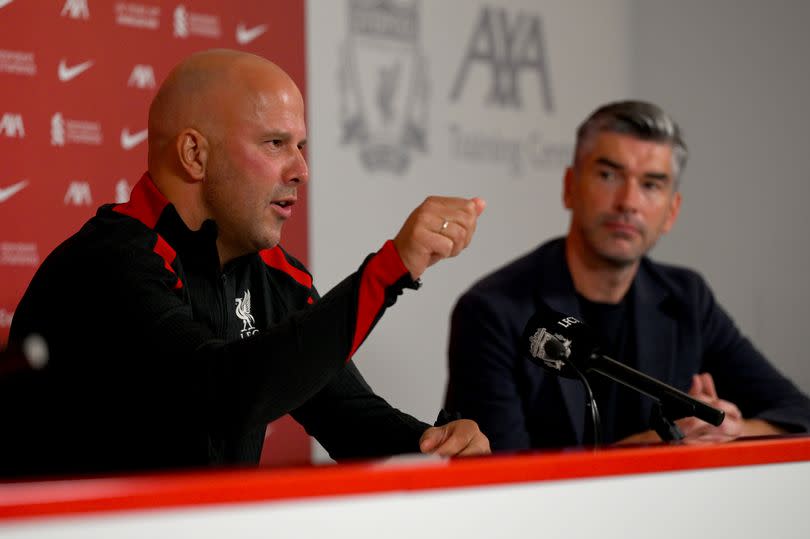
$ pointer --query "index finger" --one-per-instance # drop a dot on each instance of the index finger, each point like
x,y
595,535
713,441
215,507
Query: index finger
x,y
697,386
708,385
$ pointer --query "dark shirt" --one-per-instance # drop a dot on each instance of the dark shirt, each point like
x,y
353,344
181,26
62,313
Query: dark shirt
x,y
613,325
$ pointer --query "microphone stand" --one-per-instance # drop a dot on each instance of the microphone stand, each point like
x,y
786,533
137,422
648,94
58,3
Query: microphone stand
x,y
666,428
590,403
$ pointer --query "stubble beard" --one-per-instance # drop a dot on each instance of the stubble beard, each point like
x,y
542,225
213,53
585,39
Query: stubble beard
x,y
612,257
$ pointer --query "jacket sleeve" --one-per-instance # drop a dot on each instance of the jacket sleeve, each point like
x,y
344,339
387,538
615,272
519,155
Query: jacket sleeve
x,y
350,421
346,416
744,376
482,380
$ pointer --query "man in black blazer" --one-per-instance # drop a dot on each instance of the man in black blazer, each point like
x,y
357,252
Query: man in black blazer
x,y
622,191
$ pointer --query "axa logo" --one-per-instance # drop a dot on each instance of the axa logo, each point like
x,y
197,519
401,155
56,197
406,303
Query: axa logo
x,y
76,9
243,313
383,84
130,140
78,194
508,47
67,73
245,35
142,76
11,125
10,190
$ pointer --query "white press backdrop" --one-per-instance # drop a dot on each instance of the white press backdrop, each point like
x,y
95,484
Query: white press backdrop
x,y
733,73
506,140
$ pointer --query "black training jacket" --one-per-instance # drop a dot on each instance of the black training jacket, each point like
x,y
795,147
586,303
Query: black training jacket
x,y
160,359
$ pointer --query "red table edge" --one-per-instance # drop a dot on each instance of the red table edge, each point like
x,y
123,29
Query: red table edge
x,y
21,500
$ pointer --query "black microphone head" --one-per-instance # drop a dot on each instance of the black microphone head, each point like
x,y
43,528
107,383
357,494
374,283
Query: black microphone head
x,y
554,347
559,343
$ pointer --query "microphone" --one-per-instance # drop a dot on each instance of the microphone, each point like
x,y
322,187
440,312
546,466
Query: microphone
x,y
565,346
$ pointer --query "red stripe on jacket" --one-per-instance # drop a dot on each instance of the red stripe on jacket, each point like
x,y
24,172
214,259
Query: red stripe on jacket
x,y
382,271
146,204
275,258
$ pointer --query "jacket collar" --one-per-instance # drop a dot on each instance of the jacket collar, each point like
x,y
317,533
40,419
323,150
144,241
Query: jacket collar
x,y
149,206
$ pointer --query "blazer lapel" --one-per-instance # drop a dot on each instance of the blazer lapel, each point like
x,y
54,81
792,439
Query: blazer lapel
x,y
655,331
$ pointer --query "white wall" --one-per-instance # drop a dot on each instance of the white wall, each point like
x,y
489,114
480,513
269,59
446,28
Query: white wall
x,y
736,75
354,209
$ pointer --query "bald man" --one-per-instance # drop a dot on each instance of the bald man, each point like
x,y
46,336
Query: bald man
x,y
177,325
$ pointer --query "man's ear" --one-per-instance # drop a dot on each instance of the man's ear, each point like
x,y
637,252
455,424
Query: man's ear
x,y
192,151
674,210
568,185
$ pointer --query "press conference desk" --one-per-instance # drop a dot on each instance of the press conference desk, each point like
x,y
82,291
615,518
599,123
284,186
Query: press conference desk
x,y
749,488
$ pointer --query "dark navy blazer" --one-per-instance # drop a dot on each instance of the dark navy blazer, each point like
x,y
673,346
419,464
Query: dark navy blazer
x,y
680,331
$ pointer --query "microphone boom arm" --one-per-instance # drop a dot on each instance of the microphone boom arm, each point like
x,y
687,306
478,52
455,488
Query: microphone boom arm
x,y
675,404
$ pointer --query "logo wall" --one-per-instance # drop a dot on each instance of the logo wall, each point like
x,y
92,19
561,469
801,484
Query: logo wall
x,y
76,81
383,84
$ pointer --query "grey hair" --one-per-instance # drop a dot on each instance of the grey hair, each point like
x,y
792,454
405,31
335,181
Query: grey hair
x,y
638,119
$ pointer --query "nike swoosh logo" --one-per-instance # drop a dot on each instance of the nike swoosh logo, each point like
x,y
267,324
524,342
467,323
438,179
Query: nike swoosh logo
x,y
68,73
8,192
130,140
4,3
246,35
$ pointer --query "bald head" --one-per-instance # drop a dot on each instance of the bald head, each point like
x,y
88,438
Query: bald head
x,y
226,143
206,92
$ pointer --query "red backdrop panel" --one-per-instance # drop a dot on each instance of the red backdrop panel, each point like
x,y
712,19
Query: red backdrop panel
x,y
76,80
